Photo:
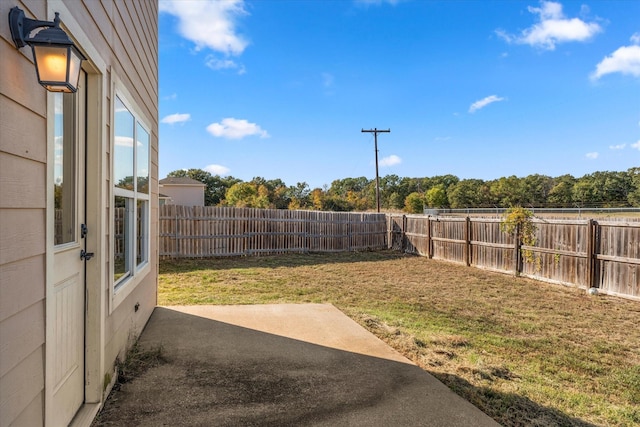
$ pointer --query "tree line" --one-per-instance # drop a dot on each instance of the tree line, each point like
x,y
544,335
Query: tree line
x,y
598,189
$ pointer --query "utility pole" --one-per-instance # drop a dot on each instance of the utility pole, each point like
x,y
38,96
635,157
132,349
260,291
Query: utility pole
x,y
375,132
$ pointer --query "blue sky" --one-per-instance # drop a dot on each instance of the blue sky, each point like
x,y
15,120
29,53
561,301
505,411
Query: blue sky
x,y
477,89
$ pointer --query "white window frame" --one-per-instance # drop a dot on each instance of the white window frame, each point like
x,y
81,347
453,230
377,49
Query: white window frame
x,y
122,287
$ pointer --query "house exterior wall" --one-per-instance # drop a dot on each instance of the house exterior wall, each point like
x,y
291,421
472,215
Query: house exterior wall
x,y
186,195
120,39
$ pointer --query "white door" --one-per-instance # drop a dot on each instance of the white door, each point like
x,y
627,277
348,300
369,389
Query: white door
x,y
66,292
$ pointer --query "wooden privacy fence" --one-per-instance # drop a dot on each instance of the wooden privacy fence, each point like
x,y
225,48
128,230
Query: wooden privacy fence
x,y
583,253
212,231
600,254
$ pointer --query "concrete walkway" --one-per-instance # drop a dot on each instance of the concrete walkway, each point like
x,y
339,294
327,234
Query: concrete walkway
x,y
283,365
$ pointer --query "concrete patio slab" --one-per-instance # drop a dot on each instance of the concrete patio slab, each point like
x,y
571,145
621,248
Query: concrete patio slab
x,y
281,365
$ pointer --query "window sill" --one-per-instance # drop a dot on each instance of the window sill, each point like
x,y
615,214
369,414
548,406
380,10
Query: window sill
x,y
126,287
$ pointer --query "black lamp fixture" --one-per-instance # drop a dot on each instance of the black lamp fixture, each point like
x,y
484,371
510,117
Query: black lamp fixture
x,y
57,59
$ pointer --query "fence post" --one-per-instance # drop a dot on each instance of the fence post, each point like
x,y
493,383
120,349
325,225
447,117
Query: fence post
x,y
516,251
175,230
429,243
590,282
467,244
404,236
387,218
349,231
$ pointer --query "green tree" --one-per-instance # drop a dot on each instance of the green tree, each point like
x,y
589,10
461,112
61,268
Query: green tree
x,y
536,189
414,203
582,193
467,193
634,194
508,191
445,180
242,195
349,194
299,196
340,187
562,190
436,197
603,189
317,198
389,187
395,201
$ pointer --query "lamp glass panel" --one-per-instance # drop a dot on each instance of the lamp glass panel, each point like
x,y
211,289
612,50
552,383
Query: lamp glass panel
x,y
74,67
51,63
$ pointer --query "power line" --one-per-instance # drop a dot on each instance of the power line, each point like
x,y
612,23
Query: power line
x,y
375,132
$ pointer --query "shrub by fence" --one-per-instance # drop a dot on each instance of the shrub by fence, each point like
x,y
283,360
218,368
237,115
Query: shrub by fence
x,y
583,253
212,231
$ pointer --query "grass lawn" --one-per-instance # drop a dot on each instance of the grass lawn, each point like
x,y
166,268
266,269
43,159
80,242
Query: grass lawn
x,y
525,352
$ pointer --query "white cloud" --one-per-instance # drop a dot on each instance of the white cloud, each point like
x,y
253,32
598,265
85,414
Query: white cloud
x,y
592,155
231,128
176,118
390,160
617,147
552,28
484,102
217,170
224,64
171,97
209,23
636,145
123,141
625,60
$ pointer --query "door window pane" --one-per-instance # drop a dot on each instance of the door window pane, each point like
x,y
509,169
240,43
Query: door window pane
x,y
64,170
123,146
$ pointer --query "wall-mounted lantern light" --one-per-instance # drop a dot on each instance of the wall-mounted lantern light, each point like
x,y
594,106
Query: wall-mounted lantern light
x,y
57,59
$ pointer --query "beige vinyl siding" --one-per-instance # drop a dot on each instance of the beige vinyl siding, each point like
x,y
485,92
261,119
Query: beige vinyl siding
x,y
22,229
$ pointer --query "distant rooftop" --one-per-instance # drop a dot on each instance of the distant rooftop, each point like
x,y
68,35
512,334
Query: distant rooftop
x,y
180,181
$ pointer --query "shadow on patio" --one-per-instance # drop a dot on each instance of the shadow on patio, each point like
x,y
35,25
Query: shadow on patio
x,y
279,365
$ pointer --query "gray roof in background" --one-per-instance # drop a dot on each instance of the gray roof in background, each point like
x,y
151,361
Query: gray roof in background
x,y
174,180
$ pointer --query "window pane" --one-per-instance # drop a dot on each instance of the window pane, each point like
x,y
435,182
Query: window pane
x,y
142,156
122,232
142,233
123,146
64,170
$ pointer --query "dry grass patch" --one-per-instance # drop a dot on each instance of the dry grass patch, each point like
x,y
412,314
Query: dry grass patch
x,y
525,352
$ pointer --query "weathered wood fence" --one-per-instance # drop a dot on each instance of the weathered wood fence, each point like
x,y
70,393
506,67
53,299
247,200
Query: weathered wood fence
x,y
212,231
583,253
